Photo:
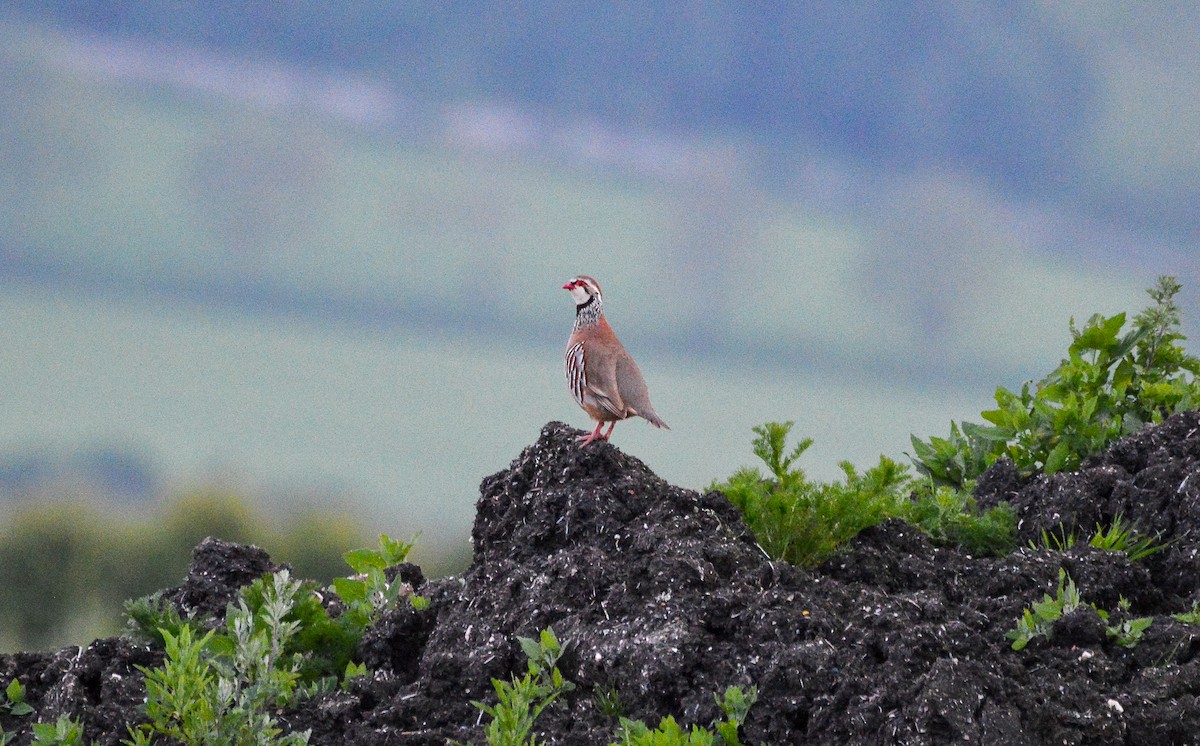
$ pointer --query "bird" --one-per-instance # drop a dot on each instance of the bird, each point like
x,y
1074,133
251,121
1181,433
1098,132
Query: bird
x,y
601,374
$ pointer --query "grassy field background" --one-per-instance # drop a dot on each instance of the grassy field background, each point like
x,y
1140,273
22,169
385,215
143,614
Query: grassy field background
x,y
247,277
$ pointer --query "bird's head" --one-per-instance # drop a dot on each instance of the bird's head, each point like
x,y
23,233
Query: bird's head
x,y
584,290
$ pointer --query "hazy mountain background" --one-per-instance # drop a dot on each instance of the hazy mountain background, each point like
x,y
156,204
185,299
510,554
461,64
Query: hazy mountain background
x,y
312,253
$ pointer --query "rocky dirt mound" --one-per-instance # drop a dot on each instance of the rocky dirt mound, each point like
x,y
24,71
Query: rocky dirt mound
x,y
663,597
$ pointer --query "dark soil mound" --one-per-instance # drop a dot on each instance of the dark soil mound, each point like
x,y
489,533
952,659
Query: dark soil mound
x,y
663,597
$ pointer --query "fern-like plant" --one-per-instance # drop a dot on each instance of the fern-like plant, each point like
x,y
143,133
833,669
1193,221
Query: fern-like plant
x,y
805,522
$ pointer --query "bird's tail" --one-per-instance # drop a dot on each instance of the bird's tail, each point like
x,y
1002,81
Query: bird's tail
x,y
654,419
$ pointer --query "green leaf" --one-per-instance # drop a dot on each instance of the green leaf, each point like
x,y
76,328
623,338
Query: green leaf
x,y
1100,333
20,709
14,691
350,591
1131,340
530,648
363,560
1057,458
990,434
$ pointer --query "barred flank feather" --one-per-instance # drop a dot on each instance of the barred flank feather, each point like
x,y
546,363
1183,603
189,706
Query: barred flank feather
x,y
576,375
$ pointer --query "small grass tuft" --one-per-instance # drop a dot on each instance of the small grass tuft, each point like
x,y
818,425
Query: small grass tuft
x,y
1121,538
1059,541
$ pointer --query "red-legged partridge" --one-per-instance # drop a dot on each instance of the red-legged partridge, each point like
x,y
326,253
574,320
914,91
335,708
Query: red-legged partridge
x,y
602,376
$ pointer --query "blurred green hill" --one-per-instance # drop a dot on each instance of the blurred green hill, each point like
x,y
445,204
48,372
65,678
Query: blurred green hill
x,y
306,285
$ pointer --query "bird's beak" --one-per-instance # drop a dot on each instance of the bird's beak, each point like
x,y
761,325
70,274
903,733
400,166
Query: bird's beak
x,y
568,286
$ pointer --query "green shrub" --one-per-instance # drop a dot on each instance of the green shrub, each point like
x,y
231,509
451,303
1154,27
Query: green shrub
x,y
1112,382
278,642
951,517
804,522
222,688
323,645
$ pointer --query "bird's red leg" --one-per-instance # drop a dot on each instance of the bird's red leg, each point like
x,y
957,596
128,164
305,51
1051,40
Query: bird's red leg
x,y
608,434
585,439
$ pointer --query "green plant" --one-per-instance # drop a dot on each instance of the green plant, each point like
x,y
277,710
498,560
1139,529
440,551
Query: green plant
x,y
1189,617
804,522
954,461
951,517
608,701
222,688
1120,538
369,593
180,695
521,701
735,703
1056,542
1110,384
668,733
65,731
13,700
12,703
1128,633
1039,618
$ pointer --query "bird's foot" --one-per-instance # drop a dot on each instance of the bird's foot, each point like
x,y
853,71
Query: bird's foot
x,y
593,435
583,440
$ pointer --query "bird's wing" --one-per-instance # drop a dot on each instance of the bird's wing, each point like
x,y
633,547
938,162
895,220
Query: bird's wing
x,y
630,383
634,395
603,384
604,401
